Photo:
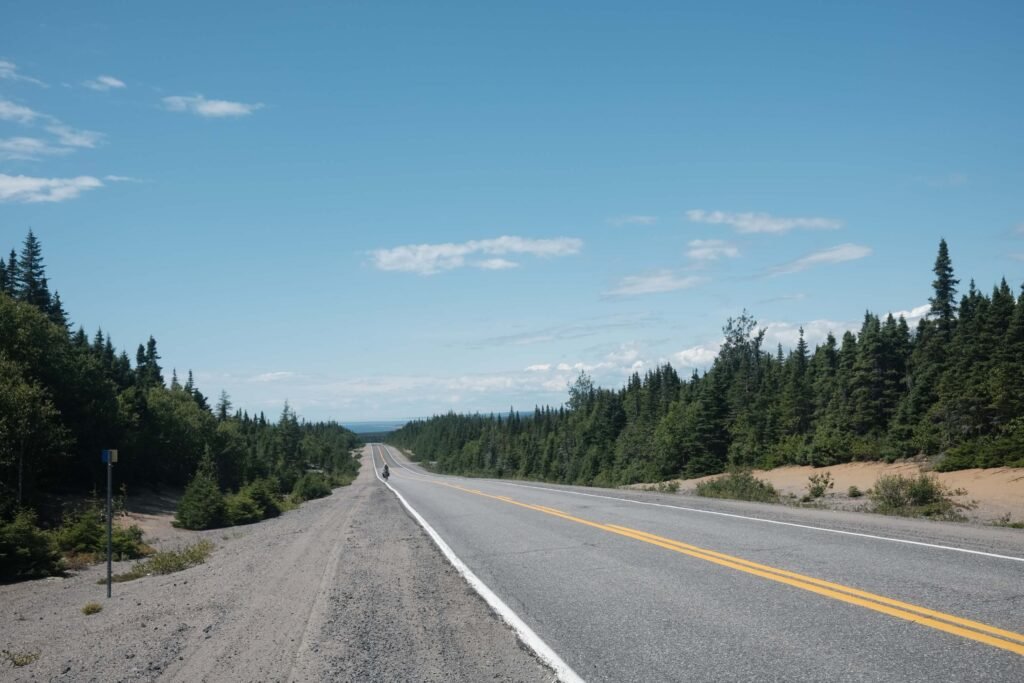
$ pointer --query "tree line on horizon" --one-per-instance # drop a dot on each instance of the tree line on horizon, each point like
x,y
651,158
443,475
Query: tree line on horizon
x,y
952,389
64,397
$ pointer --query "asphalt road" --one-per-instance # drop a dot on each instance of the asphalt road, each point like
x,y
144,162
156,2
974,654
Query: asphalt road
x,y
633,586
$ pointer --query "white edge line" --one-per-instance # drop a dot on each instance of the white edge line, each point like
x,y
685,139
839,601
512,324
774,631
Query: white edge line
x,y
524,632
753,519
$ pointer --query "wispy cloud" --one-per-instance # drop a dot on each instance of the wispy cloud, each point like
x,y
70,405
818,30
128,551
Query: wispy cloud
x,y
711,250
654,283
428,259
838,254
65,134
73,137
633,220
761,222
272,376
9,72
197,104
9,111
29,149
104,83
574,330
29,190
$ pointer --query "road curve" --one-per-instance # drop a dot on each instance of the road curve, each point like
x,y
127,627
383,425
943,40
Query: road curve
x,y
641,587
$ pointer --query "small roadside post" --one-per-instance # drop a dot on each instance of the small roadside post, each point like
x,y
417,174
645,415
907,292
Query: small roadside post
x,y
109,456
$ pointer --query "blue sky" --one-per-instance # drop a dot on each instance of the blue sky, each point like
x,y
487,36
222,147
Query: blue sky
x,y
385,210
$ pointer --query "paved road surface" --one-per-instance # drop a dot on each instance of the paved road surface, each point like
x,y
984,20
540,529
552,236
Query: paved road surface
x,y
631,586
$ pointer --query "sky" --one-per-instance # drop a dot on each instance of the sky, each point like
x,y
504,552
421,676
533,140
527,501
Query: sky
x,y
385,210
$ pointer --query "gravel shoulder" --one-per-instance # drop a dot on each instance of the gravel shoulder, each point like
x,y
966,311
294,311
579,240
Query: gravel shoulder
x,y
344,588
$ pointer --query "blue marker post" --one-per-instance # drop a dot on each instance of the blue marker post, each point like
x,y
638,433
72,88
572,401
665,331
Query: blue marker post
x,y
109,456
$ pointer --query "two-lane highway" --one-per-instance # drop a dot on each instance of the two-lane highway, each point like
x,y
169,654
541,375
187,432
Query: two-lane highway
x,y
629,587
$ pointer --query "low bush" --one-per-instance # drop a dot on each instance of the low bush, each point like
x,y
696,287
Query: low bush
x,y
819,484
311,485
168,562
739,485
920,496
240,508
26,552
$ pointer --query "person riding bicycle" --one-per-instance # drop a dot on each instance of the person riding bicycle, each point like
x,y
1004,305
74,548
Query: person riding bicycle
x,y
386,471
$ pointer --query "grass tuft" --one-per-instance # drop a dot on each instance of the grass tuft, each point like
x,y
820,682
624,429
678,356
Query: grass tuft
x,y
167,562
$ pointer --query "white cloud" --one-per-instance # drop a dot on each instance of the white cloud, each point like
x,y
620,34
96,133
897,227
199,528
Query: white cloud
x,y
74,138
103,83
837,254
9,72
761,222
197,104
711,250
633,220
428,259
496,264
697,357
272,376
28,149
9,111
660,281
26,189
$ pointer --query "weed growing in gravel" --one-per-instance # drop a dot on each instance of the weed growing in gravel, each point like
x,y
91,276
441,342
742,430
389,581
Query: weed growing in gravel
x,y
92,608
921,496
740,485
168,562
19,658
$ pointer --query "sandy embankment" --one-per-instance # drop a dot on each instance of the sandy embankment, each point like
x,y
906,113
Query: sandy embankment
x,y
997,492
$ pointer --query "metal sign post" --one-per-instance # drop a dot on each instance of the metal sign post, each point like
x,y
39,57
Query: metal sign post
x,y
110,457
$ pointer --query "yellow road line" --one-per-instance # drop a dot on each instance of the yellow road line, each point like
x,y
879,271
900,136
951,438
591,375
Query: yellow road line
x,y
948,623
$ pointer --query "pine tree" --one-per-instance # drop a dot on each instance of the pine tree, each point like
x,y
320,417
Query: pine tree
x,y
30,285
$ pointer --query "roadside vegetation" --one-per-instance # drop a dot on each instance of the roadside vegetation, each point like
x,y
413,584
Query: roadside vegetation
x,y
738,485
167,562
65,396
950,389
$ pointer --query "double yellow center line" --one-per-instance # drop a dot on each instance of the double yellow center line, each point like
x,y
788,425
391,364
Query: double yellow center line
x,y
948,623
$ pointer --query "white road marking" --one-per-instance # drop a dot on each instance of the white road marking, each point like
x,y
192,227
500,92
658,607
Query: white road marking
x,y
745,517
524,632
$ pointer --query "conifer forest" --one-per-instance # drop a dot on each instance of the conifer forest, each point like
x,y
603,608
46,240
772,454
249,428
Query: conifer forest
x,y
66,395
952,388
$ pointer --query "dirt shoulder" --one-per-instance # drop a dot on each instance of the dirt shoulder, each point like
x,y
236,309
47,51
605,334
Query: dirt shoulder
x,y
344,588
994,492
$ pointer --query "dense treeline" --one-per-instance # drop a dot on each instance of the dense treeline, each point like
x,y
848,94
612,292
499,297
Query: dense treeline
x,y
64,397
953,388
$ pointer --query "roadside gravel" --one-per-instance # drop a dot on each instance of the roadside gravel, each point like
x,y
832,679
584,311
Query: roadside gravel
x,y
345,588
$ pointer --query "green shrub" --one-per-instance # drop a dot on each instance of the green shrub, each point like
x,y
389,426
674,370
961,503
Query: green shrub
x,y
920,496
819,484
92,608
311,485
740,485
265,493
168,562
202,505
240,508
26,552
85,533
